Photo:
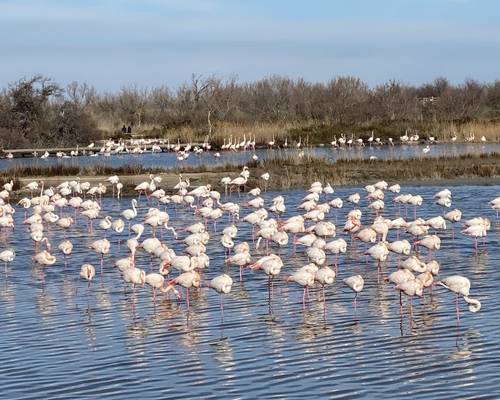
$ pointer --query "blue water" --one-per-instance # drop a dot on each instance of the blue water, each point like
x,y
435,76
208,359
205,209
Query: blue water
x,y
108,343
169,160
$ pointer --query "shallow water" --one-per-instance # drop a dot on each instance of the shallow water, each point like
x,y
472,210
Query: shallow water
x,y
169,160
106,343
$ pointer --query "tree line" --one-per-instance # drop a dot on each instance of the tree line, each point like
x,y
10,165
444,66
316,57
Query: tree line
x,y
38,112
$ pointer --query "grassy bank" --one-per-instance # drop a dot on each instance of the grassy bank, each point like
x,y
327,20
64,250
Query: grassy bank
x,y
286,173
300,172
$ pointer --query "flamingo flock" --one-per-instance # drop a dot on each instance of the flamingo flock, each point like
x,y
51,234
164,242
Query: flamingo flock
x,y
255,237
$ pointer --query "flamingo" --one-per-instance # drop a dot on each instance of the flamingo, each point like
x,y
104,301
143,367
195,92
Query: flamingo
x,y
7,256
411,288
241,258
324,276
130,213
155,280
102,247
135,276
44,258
66,247
271,265
305,278
431,242
356,284
87,272
221,284
460,285
187,280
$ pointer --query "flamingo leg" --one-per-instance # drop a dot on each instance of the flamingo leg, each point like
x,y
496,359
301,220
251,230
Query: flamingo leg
x,y
221,309
457,309
324,302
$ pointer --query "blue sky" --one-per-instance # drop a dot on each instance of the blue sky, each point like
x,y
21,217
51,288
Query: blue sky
x,y
114,43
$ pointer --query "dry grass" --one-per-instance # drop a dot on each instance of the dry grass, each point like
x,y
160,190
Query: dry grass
x,y
445,131
298,172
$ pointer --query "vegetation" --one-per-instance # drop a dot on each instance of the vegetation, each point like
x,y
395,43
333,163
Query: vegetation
x,y
286,172
37,111
295,172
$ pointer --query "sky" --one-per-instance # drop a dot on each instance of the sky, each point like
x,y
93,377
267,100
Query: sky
x,y
115,43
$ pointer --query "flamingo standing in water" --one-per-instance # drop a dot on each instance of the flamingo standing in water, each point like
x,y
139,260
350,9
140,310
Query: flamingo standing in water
x,y
411,288
66,247
460,285
356,283
130,213
324,276
305,278
221,284
431,242
135,276
398,277
7,256
271,265
87,272
187,280
101,247
155,280
44,258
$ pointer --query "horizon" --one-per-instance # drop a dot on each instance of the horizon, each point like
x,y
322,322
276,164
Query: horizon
x,y
113,44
